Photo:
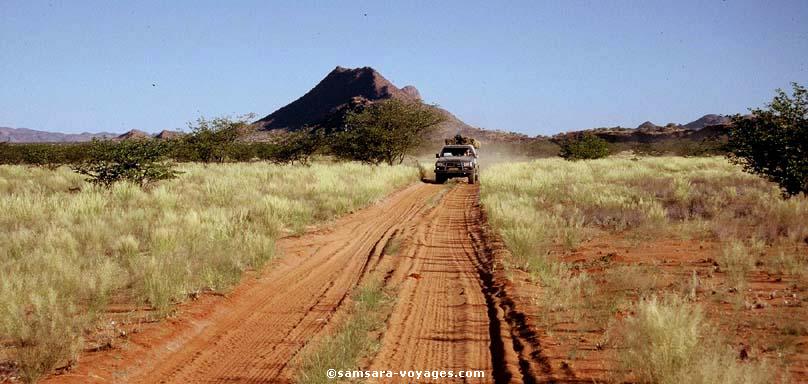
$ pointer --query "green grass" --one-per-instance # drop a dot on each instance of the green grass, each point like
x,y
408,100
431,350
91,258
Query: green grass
x,y
69,246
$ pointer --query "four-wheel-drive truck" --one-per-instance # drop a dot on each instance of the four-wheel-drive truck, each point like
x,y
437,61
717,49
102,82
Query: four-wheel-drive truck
x,y
456,160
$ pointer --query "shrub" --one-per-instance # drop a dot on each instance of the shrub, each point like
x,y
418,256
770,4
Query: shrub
x,y
710,146
772,142
137,161
265,151
584,147
43,154
386,131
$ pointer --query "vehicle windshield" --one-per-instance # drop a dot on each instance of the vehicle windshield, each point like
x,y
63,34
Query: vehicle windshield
x,y
451,152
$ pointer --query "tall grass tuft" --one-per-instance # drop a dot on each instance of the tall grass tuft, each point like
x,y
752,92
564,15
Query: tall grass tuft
x,y
737,260
667,342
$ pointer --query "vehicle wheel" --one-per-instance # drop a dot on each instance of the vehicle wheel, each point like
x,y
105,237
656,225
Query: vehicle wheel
x,y
440,179
473,178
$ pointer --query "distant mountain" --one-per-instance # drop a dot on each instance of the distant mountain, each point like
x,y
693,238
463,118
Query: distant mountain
x,y
167,135
345,88
706,127
25,135
134,134
648,126
704,121
707,120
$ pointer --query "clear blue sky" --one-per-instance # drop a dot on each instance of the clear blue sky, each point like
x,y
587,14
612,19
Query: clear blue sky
x,y
533,67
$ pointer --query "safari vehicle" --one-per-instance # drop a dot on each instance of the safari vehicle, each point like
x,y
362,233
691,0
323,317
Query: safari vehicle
x,y
457,160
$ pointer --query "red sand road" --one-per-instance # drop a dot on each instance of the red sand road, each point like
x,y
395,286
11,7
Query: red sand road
x,y
441,320
444,317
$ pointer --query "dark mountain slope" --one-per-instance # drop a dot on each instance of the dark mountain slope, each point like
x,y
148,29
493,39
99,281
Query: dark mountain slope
x,y
333,93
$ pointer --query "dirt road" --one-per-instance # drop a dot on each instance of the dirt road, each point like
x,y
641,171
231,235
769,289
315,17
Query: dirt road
x,y
443,318
441,321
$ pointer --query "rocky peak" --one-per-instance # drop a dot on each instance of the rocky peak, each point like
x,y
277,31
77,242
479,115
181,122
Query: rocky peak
x,y
338,89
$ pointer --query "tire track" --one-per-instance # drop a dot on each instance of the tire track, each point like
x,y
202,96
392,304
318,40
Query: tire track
x,y
446,317
257,330
291,305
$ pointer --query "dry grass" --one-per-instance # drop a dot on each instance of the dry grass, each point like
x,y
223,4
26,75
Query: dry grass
x,y
668,342
545,209
545,204
68,246
623,194
737,260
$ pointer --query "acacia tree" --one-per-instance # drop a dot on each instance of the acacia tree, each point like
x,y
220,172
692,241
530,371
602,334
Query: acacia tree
x,y
139,161
210,141
773,141
386,131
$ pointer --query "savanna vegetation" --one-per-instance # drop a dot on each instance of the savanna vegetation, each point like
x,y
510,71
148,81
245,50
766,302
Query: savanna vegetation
x,y
151,223
384,132
600,240
70,248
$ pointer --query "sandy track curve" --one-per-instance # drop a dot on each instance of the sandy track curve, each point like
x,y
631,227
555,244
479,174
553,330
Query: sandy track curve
x,y
445,317
254,339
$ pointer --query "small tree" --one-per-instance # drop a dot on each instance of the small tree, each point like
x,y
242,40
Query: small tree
x,y
210,141
138,161
241,152
773,142
584,147
299,146
386,131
